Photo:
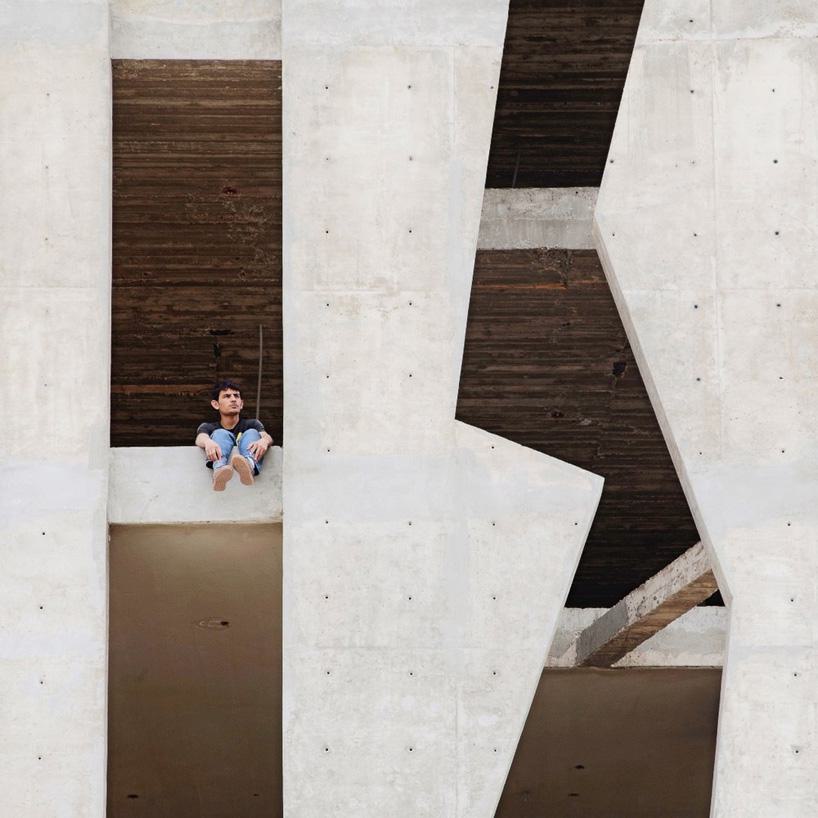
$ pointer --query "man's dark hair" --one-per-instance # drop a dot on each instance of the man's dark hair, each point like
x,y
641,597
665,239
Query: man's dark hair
x,y
220,386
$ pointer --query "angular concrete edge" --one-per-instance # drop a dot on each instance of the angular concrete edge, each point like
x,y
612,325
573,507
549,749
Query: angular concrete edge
x,y
527,516
663,598
171,485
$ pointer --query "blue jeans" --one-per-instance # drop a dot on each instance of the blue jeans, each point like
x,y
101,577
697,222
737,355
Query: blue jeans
x,y
227,440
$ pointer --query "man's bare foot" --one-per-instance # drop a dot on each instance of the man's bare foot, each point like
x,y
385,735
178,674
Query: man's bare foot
x,y
221,477
242,465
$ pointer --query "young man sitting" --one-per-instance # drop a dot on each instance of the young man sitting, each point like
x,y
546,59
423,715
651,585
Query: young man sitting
x,y
232,443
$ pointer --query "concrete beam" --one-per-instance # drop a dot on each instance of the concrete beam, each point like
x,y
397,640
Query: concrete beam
x,y
189,29
674,591
696,639
530,218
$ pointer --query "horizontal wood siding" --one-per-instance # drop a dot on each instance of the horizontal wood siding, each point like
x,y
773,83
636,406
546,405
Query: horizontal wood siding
x,y
196,243
561,81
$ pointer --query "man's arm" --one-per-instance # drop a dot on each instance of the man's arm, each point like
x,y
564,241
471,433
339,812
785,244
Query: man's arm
x,y
259,447
212,449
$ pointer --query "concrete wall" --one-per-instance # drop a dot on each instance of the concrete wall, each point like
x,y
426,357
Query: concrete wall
x,y
195,30
425,561
706,226
55,106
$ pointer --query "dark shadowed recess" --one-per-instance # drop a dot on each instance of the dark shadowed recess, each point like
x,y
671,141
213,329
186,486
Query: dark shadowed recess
x,y
196,243
547,364
623,743
563,71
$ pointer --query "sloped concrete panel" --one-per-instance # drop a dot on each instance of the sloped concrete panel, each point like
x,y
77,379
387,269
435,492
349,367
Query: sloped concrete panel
x,y
425,562
55,98
705,229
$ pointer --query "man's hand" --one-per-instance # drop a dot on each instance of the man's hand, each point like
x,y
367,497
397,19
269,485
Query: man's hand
x,y
257,448
212,450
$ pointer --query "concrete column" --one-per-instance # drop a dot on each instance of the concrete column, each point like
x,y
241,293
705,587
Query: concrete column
x,y
706,225
55,121
426,562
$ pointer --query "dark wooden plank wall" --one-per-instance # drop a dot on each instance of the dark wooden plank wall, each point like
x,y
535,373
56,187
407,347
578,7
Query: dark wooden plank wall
x,y
562,76
548,365
196,243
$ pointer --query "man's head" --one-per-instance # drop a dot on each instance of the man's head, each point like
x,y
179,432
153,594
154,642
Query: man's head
x,y
225,398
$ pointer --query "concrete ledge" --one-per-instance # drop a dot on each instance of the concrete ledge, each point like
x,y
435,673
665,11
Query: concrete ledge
x,y
696,639
171,485
531,218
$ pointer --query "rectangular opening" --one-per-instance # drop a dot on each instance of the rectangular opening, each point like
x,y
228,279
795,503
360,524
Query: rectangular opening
x,y
195,671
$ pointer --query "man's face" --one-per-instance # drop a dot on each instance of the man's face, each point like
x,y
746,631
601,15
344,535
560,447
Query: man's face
x,y
229,402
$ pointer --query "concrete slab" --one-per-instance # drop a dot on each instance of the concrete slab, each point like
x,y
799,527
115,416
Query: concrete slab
x,y
171,485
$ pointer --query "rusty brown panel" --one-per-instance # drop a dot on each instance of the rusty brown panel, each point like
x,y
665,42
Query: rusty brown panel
x,y
548,365
563,71
196,243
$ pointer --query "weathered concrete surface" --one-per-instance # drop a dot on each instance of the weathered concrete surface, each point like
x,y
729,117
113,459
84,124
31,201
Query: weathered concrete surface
x,y
425,561
695,639
171,485
521,218
663,598
704,231
55,99
191,29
